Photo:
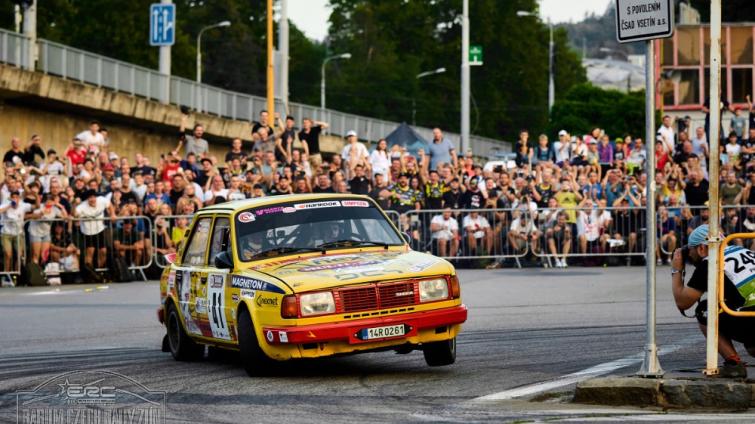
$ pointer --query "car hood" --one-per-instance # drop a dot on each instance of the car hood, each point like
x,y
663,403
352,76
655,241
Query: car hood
x,y
334,270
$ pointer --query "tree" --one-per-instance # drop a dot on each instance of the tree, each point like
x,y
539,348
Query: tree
x,y
586,106
391,41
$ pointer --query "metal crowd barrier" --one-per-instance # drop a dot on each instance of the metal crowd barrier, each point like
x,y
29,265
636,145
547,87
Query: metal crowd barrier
x,y
13,253
70,243
473,234
169,232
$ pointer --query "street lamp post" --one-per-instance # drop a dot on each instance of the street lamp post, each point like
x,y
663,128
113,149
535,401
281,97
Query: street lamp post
x,y
551,47
199,46
414,100
322,73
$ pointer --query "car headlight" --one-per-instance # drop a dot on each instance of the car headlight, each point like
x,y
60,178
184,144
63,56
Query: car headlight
x,y
317,304
431,290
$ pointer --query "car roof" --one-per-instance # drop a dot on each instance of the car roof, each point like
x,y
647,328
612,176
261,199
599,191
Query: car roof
x,y
256,202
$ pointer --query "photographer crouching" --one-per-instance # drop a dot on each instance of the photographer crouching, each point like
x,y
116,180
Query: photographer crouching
x,y
739,295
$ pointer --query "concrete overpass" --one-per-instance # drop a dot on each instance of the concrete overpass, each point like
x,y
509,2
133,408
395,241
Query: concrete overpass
x,y
68,87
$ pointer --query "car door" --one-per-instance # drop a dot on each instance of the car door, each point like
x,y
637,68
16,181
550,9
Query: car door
x,y
188,279
218,296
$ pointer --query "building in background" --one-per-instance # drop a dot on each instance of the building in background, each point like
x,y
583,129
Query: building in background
x,y
684,63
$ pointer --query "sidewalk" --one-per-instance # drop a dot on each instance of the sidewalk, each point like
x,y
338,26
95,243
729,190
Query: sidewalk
x,y
678,389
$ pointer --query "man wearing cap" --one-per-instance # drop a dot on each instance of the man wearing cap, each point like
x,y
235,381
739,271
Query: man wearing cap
x,y
354,153
562,146
739,295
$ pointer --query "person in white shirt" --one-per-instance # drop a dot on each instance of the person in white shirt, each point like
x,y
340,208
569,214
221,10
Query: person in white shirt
x,y
562,146
12,214
590,224
666,131
40,232
380,161
354,153
92,214
92,139
700,142
445,231
217,189
477,228
523,229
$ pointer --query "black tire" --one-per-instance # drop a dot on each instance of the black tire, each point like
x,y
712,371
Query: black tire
x,y
253,359
181,346
438,354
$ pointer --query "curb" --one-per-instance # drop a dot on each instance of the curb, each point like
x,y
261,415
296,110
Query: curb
x,y
666,393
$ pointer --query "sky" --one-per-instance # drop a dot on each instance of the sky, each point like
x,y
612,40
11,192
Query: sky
x,y
311,16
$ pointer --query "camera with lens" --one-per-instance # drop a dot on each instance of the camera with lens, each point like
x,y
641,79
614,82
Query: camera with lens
x,y
685,254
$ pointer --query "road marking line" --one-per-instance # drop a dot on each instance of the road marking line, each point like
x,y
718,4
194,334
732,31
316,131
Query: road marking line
x,y
600,369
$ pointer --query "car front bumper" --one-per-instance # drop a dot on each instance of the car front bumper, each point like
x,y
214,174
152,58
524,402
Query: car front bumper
x,y
348,331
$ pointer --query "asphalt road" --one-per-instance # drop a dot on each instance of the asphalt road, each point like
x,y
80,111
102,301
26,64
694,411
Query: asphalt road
x,y
525,327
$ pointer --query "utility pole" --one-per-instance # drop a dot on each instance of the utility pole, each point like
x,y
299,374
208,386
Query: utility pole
x,y
465,77
714,240
651,366
30,31
270,64
164,66
551,83
283,48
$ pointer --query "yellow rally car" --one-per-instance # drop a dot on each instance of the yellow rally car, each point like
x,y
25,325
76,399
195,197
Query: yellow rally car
x,y
306,276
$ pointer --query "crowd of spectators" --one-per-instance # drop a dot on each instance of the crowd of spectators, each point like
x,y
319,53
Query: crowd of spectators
x,y
577,194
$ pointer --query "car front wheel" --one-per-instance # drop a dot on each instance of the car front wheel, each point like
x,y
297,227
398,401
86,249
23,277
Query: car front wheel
x,y
182,347
442,353
254,360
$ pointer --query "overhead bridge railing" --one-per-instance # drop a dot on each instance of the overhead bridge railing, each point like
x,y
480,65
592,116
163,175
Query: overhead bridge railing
x,y
741,267
90,68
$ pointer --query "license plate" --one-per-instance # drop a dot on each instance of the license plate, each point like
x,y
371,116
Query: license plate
x,y
382,332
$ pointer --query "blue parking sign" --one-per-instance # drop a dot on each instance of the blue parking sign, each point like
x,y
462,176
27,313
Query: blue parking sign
x,y
162,24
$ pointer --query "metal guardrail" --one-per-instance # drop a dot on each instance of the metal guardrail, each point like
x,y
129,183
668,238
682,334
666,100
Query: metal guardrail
x,y
14,48
90,68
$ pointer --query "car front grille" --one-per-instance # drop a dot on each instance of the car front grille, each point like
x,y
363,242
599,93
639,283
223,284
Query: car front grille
x,y
378,296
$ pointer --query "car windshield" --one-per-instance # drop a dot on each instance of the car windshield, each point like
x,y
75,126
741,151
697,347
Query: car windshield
x,y
309,226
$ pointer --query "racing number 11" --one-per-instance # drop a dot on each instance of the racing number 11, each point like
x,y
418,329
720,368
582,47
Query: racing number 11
x,y
217,309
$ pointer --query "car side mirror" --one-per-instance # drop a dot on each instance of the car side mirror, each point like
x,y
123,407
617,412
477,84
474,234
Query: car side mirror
x,y
224,260
407,237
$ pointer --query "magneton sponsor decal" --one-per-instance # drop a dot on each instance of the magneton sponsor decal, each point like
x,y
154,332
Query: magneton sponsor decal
x,y
267,211
240,282
247,293
283,336
269,335
317,205
327,267
266,301
216,281
246,217
355,203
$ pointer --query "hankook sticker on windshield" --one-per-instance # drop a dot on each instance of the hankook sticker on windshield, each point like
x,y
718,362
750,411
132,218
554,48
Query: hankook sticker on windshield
x,y
246,217
355,203
317,205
